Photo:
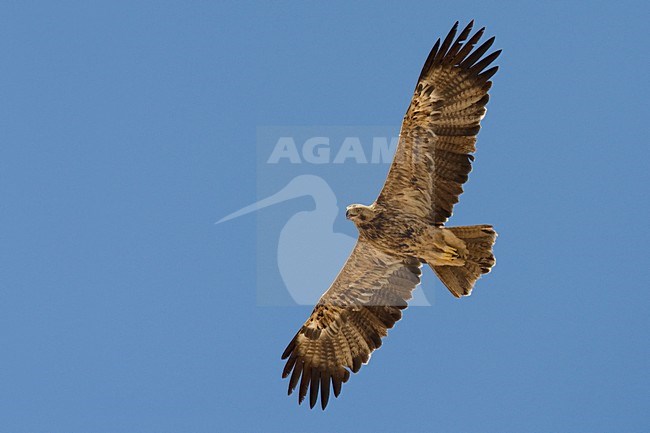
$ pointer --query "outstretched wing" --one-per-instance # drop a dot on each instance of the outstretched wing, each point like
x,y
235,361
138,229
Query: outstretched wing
x,y
347,324
438,136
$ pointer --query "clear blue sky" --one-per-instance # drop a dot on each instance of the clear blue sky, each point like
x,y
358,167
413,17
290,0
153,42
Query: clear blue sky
x,y
128,128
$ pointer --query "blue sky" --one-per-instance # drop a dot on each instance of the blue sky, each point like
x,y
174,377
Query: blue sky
x,y
128,128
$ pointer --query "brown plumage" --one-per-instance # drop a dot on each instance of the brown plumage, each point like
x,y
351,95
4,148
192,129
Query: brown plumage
x,y
403,228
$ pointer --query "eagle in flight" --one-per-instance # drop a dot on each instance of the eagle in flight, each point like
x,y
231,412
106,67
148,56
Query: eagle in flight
x,y
405,227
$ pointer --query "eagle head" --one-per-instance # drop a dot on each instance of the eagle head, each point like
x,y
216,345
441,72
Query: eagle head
x,y
359,213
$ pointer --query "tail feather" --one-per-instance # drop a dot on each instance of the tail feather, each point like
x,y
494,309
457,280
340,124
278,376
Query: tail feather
x,y
478,240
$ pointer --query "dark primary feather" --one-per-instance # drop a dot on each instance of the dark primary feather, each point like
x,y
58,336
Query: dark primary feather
x,y
349,322
438,135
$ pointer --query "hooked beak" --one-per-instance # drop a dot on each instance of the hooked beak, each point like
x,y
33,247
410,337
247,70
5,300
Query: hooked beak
x,y
347,213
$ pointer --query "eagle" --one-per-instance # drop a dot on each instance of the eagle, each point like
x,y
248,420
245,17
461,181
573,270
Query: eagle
x,y
405,227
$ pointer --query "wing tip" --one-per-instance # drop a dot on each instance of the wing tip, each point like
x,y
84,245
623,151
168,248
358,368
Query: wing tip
x,y
461,52
316,382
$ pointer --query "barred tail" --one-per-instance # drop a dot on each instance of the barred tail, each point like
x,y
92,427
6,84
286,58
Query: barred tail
x,y
478,240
